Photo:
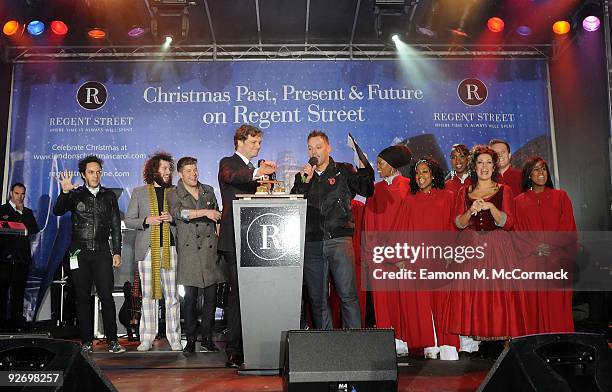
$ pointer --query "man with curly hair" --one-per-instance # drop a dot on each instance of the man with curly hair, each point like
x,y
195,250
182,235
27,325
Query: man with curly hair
x,y
155,250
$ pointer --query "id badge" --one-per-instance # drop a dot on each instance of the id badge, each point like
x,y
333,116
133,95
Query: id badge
x,y
74,260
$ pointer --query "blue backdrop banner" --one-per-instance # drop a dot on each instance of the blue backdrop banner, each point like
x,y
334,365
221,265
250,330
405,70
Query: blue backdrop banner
x,y
122,112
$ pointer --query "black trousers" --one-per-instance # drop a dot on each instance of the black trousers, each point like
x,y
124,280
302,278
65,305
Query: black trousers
x,y
13,276
233,339
207,313
95,267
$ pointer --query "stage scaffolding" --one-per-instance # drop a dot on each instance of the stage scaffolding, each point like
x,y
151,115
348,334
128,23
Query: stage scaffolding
x,y
301,51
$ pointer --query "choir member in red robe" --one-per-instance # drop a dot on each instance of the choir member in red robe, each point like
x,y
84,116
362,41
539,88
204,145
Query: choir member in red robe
x,y
487,309
431,209
460,174
539,210
507,174
381,215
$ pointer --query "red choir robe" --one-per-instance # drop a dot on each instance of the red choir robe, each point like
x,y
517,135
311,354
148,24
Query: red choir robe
x,y
486,308
382,215
550,310
513,178
453,184
432,211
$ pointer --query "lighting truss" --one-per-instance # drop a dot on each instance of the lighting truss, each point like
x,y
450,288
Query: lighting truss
x,y
219,52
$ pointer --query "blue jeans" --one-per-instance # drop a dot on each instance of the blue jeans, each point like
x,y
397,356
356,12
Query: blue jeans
x,y
335,256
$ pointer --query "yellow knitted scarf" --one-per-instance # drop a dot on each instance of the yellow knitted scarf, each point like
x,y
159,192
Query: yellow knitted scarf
x,y
158,260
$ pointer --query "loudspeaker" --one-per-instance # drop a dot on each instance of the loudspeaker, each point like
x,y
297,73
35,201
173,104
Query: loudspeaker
x,y
340,361
552,362
51,355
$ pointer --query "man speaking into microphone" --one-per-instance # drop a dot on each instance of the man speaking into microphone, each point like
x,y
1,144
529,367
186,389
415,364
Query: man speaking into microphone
x,y
329,187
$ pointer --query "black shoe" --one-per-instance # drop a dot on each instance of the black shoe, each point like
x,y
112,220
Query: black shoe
x,y
208,346
115,348
189,347
233,361
87,347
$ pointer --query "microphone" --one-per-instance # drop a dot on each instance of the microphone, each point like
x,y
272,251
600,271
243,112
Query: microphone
x,y
313,161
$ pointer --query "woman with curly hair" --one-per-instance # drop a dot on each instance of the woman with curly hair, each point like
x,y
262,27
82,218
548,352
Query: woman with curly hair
x,y
430,210
487,309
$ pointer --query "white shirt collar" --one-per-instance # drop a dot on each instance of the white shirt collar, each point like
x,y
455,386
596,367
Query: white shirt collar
x,y
15,206
94,191
389,180
244,159
465,175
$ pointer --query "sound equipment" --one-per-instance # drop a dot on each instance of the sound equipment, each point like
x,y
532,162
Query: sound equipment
x,y
80,373
12,228
340,361
552,362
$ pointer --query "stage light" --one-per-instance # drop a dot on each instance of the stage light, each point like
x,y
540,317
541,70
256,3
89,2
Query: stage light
x,y
459,33
561,27
591,23
10,28
167,42
427,27
495,24
96,33
36,27
524,30
59,28
170,17
136,32
395,38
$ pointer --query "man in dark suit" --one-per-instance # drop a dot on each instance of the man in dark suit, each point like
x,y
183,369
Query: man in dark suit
x,y
15,257
237,175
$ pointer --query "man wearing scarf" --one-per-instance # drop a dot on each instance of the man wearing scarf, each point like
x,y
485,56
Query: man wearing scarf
x,y
155,251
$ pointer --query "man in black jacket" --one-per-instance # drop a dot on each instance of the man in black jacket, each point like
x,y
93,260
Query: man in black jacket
x,y
95,217
15,257
237,175
329,188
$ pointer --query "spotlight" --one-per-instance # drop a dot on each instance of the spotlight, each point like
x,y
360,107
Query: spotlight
x,y
170,17
167,41
495,24
10,28
427,27
591,23
395,38
36,27
561,27
96,33
524,30
59,28
136,32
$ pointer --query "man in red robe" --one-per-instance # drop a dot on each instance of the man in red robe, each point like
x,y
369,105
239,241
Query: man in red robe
x,y
507,174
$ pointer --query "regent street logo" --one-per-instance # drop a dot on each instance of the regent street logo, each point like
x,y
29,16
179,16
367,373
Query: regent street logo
x,y
92,95
472,92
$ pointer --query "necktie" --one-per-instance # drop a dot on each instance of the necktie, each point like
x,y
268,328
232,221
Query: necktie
x,y
250,165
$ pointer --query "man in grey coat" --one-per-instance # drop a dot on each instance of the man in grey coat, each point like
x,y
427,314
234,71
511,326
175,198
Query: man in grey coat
x,y
194,208
155,250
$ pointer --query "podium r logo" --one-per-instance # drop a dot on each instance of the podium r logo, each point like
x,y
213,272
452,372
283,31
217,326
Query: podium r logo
x,y
265,235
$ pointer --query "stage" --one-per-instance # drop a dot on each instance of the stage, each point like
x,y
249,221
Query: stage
x,y
162,370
